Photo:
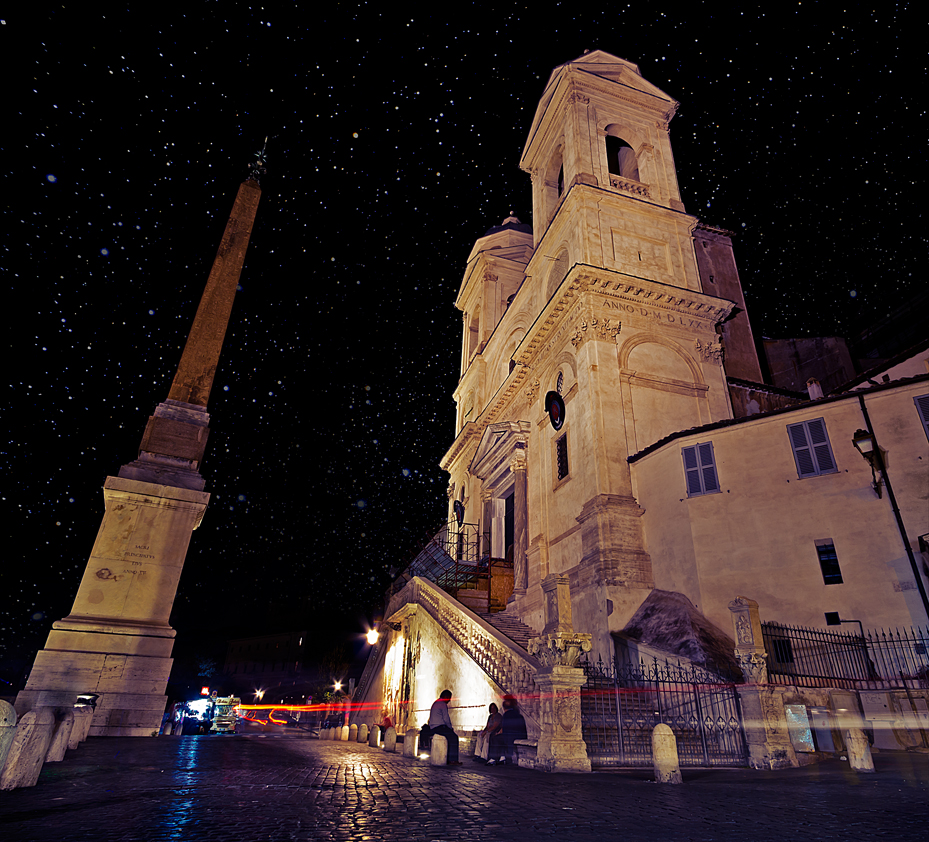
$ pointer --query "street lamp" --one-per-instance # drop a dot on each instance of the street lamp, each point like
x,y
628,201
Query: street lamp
x,y
867,446
371,637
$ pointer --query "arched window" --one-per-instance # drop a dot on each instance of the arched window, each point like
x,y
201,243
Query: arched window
x,y
620,158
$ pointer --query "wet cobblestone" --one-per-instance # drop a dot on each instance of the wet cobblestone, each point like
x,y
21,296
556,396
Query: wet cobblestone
x,y
270,787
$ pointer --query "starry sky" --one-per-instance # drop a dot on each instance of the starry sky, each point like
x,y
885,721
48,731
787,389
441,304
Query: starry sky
x,y
395,138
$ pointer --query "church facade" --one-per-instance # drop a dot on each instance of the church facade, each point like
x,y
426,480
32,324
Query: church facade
x,y
632,311
613,434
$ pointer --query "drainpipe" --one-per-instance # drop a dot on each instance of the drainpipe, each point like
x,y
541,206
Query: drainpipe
x,y
897,515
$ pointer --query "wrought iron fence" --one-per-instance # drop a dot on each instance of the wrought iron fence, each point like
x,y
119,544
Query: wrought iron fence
x,y
873,660
621,705
456,560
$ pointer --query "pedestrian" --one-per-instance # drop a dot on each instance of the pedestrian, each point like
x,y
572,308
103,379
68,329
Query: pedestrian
x,y
441,723
483,738
512,728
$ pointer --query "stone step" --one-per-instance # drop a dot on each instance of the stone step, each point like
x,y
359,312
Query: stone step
x,y
510,627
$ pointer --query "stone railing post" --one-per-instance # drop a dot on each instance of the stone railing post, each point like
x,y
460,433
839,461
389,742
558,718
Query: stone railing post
x,y
411,742
764,719
27,751
7,730
390,739
561,746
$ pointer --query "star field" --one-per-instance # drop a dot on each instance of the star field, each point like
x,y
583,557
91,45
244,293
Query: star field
x,y
394,143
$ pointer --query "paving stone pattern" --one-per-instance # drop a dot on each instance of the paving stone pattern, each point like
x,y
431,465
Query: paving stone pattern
x,y
274,787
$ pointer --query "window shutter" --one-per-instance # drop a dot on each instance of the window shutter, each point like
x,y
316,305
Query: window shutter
x,y
922,407
803,453
700,469
692,471
812,451
820,441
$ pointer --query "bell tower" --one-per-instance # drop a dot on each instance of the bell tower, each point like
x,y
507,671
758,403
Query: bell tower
x,y
600,124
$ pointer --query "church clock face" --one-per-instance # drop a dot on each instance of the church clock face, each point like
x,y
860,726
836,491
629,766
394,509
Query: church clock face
x,y
554,406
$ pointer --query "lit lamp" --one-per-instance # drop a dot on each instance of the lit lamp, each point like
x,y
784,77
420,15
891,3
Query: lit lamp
x,y
371,637
866,445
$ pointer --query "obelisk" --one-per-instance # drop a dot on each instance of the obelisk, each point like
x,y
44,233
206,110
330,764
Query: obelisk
x,y
116,642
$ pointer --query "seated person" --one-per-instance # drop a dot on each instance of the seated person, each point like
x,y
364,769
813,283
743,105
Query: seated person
x,y
440,723
512,728
481,751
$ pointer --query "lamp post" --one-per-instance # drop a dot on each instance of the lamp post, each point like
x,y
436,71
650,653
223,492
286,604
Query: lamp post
x,y
866,445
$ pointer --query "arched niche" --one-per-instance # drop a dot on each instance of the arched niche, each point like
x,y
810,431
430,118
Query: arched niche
x,y
663,390
556,273
621,159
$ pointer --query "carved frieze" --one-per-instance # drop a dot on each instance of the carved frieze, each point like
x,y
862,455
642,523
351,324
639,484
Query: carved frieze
x,y
710,351
533,391
595,328
754,666
560,649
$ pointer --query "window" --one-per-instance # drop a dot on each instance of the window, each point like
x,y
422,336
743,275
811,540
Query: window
x,y
812,451
829,562
783,652
922,407
700,469
561,456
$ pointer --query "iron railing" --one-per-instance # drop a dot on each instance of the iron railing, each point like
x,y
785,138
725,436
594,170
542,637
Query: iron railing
x,y
872,660
456,559
621,705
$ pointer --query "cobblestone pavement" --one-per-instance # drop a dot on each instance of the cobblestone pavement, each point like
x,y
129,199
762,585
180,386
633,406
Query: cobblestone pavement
x,y
254,787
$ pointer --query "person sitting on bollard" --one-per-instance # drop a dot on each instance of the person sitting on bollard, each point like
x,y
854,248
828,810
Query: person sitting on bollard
x,y
512,728
441,723
482,751
386,721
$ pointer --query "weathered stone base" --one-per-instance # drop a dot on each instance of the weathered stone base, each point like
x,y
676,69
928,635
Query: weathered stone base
x,y
766,732
130,688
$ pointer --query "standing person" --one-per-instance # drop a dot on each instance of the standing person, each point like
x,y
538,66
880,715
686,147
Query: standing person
x,y
512,728
494,722
441,723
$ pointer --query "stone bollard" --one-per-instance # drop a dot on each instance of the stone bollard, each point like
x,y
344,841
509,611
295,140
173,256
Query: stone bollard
x,y
664,755
343,736
439,754
353,733
390,739
83,716
411,742
28,749
362,733
64,723
859,752
374,736
7,730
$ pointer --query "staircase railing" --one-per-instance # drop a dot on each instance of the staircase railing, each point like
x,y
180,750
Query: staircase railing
x,y
457,560
512,669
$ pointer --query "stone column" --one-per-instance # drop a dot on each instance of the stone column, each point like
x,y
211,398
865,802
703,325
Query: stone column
x,y
763,716
561,746
520,521
487,519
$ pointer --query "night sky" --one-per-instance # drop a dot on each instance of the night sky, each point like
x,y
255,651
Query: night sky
x,y
394,143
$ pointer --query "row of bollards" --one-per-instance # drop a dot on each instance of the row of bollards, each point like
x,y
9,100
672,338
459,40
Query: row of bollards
x,y
664,747
40,736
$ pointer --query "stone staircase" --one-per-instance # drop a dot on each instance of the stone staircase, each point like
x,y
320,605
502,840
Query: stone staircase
x,y
510,627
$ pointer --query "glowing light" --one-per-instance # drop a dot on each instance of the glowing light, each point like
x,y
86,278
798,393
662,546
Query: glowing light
x,y
372,636
204,691
338,686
